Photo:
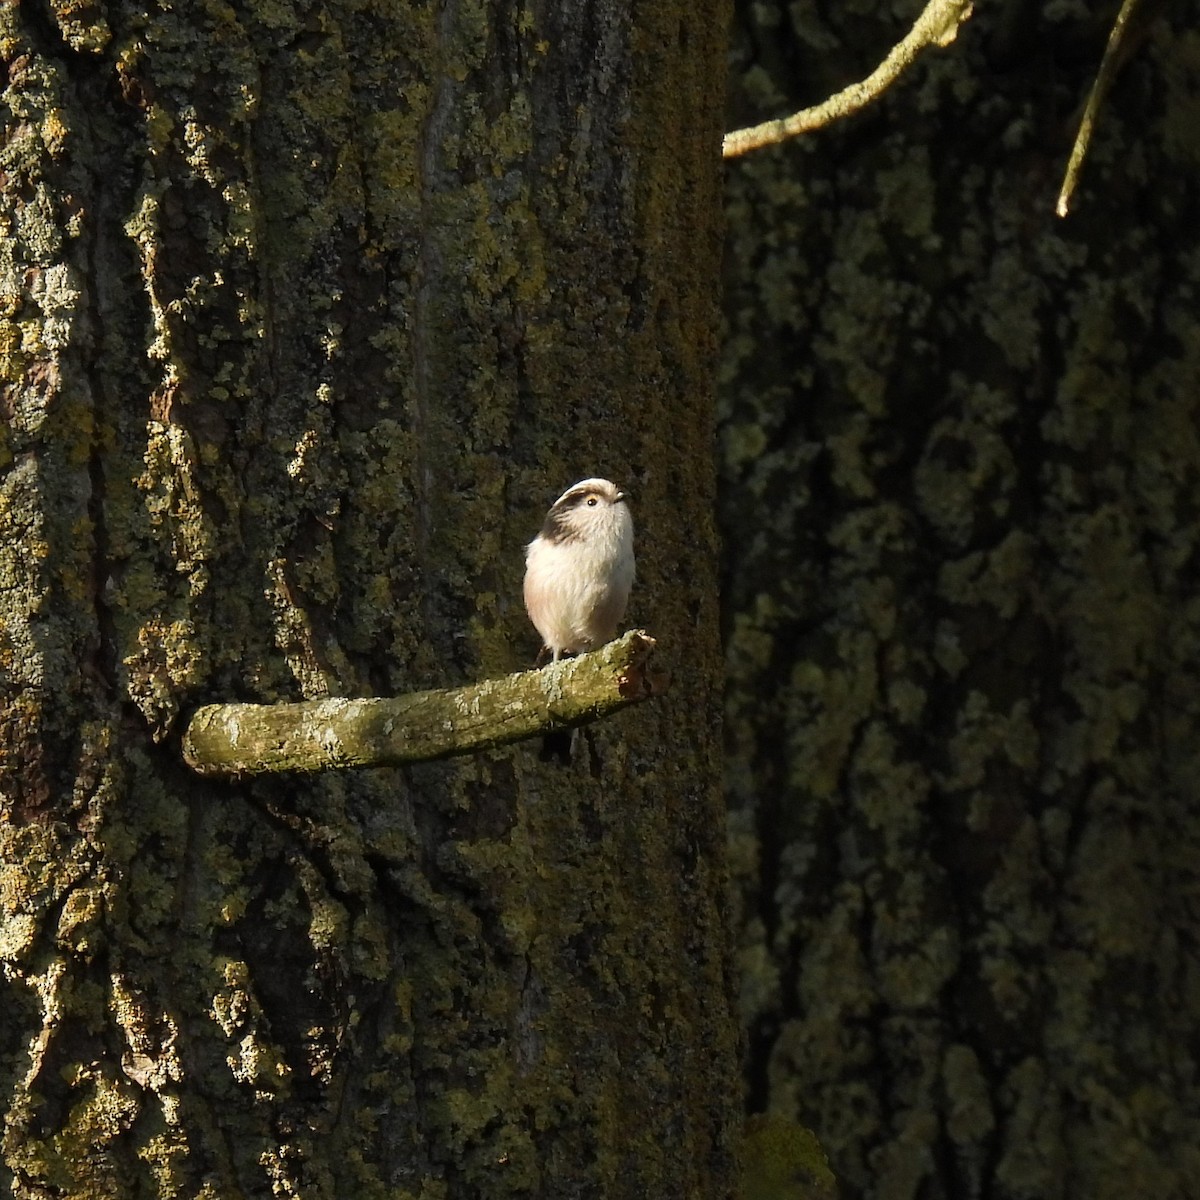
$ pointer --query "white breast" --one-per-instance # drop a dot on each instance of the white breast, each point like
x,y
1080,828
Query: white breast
x,y
576,590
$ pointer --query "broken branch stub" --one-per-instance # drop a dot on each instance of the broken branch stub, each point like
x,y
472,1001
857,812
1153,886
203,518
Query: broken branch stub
x,y
319,735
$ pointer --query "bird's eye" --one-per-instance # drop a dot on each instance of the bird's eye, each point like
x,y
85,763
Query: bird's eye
x,y
592,502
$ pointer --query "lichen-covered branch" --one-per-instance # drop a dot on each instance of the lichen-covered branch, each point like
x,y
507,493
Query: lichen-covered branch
x,y
315,735
1104,77
937,25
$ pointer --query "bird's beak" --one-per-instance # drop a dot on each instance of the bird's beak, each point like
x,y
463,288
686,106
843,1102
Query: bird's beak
x,y
620,498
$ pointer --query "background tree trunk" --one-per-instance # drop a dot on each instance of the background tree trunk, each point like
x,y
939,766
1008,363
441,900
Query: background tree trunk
x,y
961,462
307,315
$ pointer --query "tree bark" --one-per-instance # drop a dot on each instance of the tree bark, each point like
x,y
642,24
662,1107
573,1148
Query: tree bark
x,y
307,315
960,469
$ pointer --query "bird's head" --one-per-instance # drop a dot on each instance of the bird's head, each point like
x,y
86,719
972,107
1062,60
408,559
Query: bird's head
x,y
590,508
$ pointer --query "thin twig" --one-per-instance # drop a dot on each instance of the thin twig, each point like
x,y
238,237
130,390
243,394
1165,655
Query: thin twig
x,y
1100,86
317,735
937,25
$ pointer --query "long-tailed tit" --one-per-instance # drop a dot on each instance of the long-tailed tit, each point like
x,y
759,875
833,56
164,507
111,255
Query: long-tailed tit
x,y
579,569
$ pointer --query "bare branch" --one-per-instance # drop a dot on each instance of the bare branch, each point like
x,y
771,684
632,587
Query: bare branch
x,y
316,735
937,25
1103,81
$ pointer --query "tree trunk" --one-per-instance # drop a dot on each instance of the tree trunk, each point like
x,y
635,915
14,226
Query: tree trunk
x,y
308,315
961,465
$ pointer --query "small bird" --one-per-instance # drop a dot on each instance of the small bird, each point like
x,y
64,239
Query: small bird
x,y
579,569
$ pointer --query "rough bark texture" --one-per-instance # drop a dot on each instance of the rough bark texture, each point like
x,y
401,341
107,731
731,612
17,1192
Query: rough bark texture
x,y
306,314
961,467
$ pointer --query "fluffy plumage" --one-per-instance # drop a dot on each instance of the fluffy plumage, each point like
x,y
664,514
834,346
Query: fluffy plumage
x,y
579,569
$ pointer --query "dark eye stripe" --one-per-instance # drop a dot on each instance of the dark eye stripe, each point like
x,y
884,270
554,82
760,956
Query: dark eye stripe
x,y
556,528
574,499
